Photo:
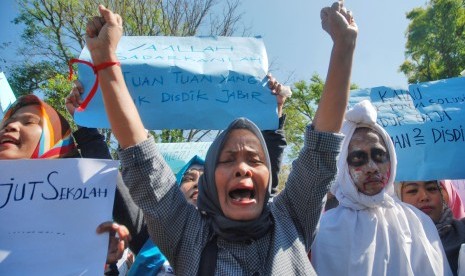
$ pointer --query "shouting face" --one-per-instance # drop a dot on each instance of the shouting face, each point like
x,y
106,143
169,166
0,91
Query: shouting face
x,y
20,134
368,161
242,176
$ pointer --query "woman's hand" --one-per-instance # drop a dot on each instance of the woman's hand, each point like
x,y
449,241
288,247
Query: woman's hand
x,y
276,89
339,23
103,34
117,243
74,99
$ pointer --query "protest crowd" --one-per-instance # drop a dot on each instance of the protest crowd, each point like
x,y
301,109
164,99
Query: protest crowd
x,y
341,212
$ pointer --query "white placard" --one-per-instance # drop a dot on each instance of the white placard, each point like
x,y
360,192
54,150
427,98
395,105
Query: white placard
x,y
49,212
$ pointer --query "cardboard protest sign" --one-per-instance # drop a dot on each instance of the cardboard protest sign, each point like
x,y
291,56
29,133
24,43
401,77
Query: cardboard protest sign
x,y
426,125
188,82
7,97
49,213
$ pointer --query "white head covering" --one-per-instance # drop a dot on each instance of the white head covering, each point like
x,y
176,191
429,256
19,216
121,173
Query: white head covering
x,y
362,114
374,235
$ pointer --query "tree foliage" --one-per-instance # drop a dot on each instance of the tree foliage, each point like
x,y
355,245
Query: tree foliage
x,y
55,32
28,76
55,91
300,110
435,46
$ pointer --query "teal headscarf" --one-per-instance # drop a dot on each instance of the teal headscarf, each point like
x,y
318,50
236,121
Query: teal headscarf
x,y
196,160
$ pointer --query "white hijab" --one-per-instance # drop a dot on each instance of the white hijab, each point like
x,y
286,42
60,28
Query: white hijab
x,y
374,235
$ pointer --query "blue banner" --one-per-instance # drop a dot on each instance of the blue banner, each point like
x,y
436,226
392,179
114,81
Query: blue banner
x,y
189,82
178,154
426,123
7,97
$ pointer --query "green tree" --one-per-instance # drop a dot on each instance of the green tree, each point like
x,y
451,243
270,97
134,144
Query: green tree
x,y
435,46
300,110
55,90
54,33
27,77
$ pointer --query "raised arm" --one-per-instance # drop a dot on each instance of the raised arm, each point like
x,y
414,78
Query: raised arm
x,y
315,168
340,25
151,182
275,139
102,37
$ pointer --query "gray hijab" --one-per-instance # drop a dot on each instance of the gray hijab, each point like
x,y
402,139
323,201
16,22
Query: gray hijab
x,y
208,202
444,224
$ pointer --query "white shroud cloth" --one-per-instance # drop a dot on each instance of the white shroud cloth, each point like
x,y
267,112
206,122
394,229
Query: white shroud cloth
x,y
374,235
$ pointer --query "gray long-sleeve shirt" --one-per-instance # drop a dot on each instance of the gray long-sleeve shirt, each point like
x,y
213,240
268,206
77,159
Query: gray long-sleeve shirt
x,y
181,232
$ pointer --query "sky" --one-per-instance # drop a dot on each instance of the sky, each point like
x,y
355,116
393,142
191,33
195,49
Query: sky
x,y
297,47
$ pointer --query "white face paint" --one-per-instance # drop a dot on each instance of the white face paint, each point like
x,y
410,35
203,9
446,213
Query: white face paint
x,y
368,161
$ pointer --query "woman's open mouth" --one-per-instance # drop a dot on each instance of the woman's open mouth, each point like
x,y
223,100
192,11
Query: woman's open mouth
x,y
243,194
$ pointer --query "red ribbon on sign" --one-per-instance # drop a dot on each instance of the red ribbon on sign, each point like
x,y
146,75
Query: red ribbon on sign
x,y
95,68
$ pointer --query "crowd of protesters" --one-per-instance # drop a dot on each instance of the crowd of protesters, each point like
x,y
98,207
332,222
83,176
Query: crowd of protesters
x,y
223,215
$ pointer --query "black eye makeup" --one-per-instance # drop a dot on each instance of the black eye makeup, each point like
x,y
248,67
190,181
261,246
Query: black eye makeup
x,y
360,158
357,158
379,155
